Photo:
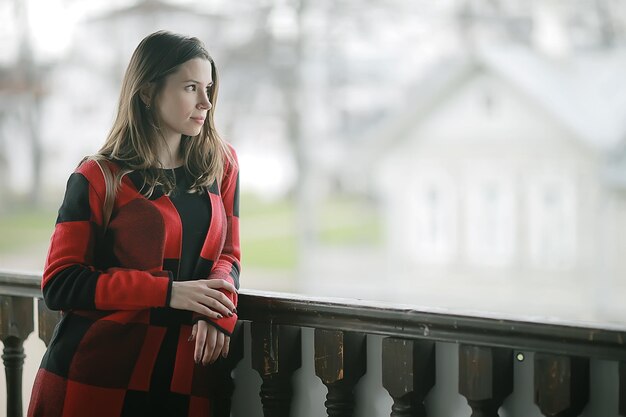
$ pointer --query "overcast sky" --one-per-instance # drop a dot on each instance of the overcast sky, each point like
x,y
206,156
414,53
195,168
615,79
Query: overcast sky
x,y
52,22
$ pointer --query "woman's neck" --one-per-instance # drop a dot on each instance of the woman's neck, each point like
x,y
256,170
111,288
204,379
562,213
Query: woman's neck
x,y
169,153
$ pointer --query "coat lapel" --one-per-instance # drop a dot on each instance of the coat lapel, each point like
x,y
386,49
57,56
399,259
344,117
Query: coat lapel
x,y
216,235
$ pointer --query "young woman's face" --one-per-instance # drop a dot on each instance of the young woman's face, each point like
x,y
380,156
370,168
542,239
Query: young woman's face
x,y
183,103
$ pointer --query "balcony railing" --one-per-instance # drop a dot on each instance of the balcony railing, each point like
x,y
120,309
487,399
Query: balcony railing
x,y
575,369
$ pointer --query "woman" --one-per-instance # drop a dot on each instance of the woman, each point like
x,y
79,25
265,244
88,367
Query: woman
x,y
149,297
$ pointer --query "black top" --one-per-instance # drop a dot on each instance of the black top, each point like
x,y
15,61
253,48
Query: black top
x,y
194,210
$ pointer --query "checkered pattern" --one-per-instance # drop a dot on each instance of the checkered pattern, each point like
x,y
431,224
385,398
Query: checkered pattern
x,y
114,291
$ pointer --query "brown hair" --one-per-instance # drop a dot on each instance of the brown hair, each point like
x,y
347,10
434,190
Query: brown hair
x,y
133,139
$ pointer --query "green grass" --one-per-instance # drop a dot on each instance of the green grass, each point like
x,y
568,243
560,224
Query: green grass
x,y
270,253
268,229
252,205
25,227
350,222
268,232
268,238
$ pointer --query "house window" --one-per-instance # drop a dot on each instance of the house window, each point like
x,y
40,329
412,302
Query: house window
x,y
552,221
433,236
491,220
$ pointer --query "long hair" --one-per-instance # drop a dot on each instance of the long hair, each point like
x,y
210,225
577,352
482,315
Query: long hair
x,y
135,137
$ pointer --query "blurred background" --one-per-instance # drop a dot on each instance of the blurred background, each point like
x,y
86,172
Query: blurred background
x,y
457,154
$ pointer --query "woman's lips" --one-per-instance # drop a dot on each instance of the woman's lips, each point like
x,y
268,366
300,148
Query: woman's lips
x,y
199,120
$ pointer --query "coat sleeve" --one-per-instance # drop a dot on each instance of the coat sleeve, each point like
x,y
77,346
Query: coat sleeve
x,y
70,279
228,264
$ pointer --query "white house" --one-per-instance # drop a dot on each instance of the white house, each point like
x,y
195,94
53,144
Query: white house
x,y
503,174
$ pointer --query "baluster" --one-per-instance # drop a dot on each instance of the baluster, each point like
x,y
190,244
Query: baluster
x,y
48,319
561,384
485,378
276,354
222,383
408,374
16,323
622,388
340,363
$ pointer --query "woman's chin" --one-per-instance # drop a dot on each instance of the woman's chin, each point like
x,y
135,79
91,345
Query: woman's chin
x,y
192,131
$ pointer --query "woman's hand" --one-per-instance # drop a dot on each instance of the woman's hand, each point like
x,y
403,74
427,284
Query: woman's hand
x,y
204,297
210,343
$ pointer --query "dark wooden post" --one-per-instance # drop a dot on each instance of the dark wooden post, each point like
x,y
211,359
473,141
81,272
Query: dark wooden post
x,y
561,384
48,320
622,388
485,378
408,374
222,382
16,323
340,363
276,354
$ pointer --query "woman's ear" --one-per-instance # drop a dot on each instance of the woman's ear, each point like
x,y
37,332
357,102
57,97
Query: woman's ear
x,y
145,93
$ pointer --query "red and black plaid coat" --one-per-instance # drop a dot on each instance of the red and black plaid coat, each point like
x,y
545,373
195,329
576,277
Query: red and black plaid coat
x,y
102,355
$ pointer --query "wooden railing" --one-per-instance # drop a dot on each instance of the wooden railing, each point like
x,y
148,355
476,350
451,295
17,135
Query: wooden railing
x,y
487,350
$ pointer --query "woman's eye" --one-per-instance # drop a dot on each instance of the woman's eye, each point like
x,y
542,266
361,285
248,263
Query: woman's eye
x,y
190,88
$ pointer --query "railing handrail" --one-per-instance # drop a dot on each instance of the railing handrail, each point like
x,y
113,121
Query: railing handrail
x,y
20,284
569,338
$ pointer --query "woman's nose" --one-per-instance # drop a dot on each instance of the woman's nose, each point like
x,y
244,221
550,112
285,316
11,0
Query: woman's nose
x,y
205,105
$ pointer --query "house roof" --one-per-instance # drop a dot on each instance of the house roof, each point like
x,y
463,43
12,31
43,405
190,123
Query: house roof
x,y
582,93
147,7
